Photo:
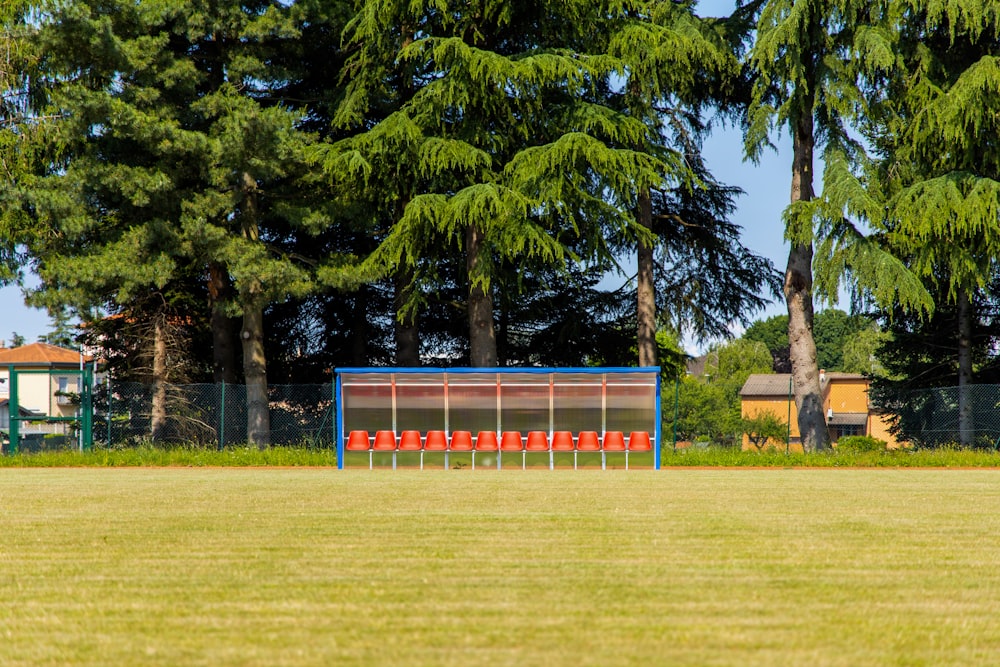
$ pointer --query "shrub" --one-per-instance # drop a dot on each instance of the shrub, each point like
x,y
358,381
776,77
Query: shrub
x,y
860,443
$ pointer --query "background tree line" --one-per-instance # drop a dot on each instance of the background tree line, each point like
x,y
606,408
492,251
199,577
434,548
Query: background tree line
x,y
260,191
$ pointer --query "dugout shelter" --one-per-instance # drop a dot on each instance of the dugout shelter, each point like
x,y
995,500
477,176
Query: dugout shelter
x,y
498,411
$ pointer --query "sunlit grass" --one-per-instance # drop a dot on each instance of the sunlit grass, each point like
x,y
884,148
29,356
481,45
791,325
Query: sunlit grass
x,y
208,566
243,456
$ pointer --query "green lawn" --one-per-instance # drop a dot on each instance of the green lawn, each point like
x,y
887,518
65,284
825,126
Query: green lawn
x,y
274,567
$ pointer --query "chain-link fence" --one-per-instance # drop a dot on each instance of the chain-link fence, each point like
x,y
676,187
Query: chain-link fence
x,y
946,416
210,415
215,415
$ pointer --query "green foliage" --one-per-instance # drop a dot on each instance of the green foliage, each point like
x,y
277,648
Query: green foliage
x,y
765,429
837,335
862,352
709,406
860,443
772,332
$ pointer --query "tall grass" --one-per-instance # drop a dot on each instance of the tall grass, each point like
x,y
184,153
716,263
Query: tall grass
x,y
183,456
901,458
149,455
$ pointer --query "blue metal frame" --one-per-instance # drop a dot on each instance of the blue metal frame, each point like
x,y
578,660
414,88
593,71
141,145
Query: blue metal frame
x,y
505,370
596,370
340,423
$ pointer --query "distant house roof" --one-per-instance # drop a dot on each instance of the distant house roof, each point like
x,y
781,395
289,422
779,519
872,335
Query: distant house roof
x,y
771,384
25,412
776,384
847,419
40,354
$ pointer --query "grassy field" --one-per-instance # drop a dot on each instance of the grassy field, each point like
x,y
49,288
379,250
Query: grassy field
x,y
272,567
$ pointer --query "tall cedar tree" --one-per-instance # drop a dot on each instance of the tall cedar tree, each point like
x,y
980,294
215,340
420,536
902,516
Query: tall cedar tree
x,y
804,60
921,358
528,134
938,171
17,101
174,156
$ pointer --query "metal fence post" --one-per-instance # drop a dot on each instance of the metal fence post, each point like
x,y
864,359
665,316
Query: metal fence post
x,y
222,418
677,407
788,438
109,411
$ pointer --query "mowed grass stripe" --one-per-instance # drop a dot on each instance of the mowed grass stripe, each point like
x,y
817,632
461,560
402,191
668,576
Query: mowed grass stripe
x,y
320,567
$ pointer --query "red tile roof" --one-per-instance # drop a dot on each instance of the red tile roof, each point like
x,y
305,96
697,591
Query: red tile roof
x,y
40,354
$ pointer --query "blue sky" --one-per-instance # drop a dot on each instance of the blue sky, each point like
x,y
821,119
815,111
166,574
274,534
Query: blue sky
x,y
766,184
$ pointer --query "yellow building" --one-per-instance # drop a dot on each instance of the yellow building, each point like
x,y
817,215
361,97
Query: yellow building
x,y
845,404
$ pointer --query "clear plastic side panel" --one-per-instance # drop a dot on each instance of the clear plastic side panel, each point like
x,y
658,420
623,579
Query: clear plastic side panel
x,y
472,402
367,402
631,402
524,402
577,402
420,403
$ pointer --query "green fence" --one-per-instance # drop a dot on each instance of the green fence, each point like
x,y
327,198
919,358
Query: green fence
x,y
212,415
947,416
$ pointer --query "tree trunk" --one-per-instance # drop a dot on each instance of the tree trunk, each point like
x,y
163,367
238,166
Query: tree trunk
x,y
255,374
646,306
965,412
359,328
224,327
158,412
252,335
405,330
482,336
798,298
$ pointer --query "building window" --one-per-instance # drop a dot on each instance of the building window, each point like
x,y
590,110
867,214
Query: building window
x,y
63,388
851,429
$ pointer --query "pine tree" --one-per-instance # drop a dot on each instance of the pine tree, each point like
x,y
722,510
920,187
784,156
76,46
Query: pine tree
x,y
17,71
932,188
176,159
807,58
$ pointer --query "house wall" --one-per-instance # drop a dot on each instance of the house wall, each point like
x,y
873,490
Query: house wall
x,y
779,405
847,396
878,427
36,391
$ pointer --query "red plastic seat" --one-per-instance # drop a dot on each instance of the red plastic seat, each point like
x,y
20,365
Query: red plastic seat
x,y
486,441
614,441
358,441
588,441
511,442
385,441
461,441
638,441
436,441
562,441
409,441
538,441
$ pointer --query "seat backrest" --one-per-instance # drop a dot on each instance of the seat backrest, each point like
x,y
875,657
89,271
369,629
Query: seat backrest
x,y
638,441
511,441
538,441
436,441
562,441
409,441
385,441
461,441
587,441
358,441
614,441
486,441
